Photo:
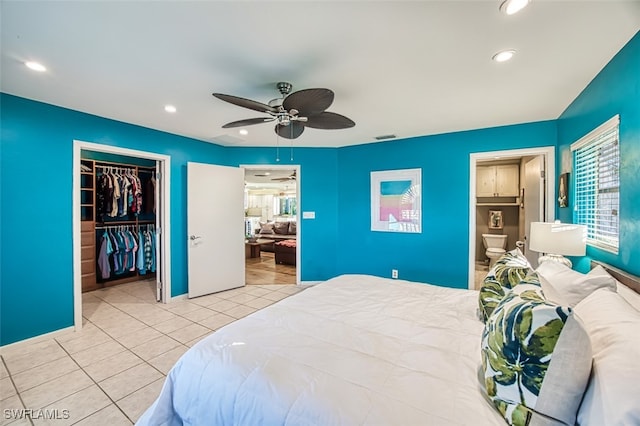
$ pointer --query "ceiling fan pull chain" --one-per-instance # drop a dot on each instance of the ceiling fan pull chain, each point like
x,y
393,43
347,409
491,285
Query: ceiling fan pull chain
x,y
277,148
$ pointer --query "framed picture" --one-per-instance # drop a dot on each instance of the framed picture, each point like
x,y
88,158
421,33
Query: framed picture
x,y
563,190
396,201
495,219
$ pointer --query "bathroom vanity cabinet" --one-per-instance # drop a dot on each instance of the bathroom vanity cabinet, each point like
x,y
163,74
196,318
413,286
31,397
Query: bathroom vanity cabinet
x,y
498,181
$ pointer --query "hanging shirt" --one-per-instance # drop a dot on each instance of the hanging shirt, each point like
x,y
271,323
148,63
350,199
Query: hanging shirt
x,y
103,258
153,251
134,249
142,266
122,249
116,252
148,249
116,196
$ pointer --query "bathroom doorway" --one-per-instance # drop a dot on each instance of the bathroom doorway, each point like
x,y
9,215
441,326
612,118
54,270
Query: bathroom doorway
x,y
508,191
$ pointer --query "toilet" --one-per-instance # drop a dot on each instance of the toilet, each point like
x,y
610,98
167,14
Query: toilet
x,y
495,245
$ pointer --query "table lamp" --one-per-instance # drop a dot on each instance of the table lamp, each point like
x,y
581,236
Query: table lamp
x,y
555,240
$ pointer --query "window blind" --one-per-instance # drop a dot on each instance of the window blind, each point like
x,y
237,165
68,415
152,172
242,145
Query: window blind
x,y
597,185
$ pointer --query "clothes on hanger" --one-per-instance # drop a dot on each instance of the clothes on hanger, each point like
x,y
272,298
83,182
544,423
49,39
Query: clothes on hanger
x,y
125,248
118,192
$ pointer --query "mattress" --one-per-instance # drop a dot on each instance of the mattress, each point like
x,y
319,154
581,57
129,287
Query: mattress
x,y
353,350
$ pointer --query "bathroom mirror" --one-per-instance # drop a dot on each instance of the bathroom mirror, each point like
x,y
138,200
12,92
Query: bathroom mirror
x,y
495,219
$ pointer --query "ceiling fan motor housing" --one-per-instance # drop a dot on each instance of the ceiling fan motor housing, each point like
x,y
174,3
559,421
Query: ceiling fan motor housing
x,y
284,88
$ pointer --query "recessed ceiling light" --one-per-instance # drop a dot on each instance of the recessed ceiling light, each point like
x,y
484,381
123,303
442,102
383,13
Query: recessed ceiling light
x,y
36,66
504,55
243,132
510,7
170,108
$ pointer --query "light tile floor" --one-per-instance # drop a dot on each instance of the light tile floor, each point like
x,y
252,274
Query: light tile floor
x,y
112,370
481,270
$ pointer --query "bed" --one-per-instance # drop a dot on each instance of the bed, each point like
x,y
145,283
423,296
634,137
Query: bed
x,y
353,350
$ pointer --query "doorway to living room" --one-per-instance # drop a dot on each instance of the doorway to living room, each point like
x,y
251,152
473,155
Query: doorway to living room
x,y
271,201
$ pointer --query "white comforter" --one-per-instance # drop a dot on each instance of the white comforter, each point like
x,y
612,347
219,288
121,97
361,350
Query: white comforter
x,y
353,350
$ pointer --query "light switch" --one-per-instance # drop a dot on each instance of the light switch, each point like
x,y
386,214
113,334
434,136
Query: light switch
x,y
308,215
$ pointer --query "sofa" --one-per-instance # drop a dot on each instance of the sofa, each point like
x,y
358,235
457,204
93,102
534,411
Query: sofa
x,y
276,231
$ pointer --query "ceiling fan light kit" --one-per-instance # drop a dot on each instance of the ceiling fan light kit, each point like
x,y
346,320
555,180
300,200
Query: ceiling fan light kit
x,y
292,112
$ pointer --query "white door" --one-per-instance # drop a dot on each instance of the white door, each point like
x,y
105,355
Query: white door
x,y
533,202
215,228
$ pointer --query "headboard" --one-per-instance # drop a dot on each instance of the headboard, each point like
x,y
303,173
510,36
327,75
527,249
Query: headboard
x,y
631,281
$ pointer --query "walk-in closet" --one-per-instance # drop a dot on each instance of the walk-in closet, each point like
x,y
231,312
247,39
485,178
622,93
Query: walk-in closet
x,y
118,204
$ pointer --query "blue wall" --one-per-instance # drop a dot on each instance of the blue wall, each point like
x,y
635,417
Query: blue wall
x,y
36,292
440,254
318,193
615,90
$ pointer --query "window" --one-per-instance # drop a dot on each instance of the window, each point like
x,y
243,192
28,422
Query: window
x,y
597,185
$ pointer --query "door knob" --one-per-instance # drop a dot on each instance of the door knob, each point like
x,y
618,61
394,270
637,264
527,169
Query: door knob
x,y
194,237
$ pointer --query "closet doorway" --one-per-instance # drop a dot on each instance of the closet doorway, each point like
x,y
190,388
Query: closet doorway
x,y
272,224
153,224
491,176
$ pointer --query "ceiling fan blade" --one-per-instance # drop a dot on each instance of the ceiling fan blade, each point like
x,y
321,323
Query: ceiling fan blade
x,y
248,122
329,121
246,103
292,131
309,101
292,176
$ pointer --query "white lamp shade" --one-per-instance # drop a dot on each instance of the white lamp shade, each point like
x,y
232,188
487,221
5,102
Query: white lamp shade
x,y
566,239
254,211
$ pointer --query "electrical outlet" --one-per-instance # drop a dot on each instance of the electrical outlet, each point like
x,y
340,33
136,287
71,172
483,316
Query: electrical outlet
x,y
394,274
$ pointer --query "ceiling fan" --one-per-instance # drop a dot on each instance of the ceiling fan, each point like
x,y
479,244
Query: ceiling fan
x,y
292,112
292,176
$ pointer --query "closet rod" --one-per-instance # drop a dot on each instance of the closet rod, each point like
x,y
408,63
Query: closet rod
x,y
130,222
110,163
118,226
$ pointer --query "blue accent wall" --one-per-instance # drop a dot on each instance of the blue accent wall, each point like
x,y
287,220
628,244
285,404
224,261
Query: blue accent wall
x,y
318,181
440,254
615,90
36,281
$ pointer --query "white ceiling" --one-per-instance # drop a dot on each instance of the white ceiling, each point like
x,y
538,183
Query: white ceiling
x,y
278,178
407,68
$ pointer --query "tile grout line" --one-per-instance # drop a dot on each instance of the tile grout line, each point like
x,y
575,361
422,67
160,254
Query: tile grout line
x,y
6,367
99,387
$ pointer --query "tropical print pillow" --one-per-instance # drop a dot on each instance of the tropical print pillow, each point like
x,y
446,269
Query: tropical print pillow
x,y
518,347
507,272
510,269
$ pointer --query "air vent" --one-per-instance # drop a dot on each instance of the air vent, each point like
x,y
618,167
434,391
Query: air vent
x,y
383,137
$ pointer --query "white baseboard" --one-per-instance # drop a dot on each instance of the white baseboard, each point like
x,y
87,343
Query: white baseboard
x,y
36,339
179,297
310,282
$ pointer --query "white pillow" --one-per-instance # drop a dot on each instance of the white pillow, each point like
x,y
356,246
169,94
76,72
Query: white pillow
x,y
629,295
613,392
564,286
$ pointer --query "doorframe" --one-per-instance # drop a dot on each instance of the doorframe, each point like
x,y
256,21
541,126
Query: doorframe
x,y
164,212
295,167
548,154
